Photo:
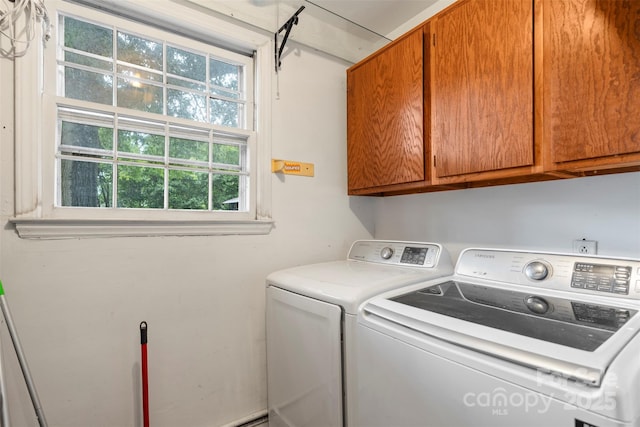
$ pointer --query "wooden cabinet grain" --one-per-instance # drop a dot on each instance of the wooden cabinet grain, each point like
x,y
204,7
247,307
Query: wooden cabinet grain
x,y
482,97
591,84
385,115
509,91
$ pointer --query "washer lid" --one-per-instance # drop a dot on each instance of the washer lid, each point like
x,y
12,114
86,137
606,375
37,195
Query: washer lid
x,y
576,324
349,283
574,339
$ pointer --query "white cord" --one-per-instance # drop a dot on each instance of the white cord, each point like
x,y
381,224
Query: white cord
x,y
10,15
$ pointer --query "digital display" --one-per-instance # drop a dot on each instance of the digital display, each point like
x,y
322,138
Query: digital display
x,y
599,269
414,255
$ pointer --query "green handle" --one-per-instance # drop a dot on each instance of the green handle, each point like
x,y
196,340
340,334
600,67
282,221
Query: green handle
x,y
1,289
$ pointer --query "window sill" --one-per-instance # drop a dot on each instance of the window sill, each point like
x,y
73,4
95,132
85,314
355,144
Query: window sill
x,y
53,229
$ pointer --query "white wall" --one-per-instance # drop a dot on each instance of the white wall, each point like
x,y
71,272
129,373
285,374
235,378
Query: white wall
x,y
418,19
77,304
544,215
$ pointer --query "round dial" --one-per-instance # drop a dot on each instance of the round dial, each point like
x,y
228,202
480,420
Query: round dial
x,y
386,252
537,305
537,270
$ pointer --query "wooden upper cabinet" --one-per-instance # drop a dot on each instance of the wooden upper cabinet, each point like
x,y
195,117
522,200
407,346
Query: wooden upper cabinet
x,y
385,117
482,89
492,92
591,79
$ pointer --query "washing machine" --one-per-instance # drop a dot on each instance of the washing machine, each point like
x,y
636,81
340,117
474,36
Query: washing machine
x,y
311,317
513,338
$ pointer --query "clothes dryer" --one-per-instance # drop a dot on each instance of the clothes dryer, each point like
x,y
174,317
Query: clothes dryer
x,y
311,318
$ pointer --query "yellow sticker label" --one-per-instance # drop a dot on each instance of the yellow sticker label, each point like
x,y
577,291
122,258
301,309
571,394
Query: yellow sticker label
x,y
292,168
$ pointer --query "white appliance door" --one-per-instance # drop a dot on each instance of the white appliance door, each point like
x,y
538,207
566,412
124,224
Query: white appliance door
x,y
304,361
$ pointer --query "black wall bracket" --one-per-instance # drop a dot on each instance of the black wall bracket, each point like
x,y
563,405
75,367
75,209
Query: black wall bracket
x,y
287,26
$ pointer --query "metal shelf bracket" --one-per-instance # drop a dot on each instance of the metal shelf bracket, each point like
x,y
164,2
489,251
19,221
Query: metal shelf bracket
x,y
287,26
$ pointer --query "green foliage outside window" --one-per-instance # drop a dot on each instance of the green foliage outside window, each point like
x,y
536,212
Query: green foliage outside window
x,y
107,160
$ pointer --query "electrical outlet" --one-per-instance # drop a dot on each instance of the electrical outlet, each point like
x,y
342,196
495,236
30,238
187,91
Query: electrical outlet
x,y
584,246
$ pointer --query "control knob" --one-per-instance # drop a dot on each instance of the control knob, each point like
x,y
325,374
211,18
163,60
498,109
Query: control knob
x,y
386,252
536,304
536,270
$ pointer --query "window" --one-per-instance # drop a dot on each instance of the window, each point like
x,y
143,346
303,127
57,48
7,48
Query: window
x,y
149,126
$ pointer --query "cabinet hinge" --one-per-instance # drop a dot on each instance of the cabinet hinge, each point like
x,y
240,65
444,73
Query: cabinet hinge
x,y
434,39
434,161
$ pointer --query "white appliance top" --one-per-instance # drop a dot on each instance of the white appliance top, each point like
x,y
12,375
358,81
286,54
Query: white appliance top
x,y
565,314
372,267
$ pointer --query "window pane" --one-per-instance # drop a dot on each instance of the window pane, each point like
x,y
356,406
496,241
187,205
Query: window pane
x,y
227,154
88,86
139,96
187,84
88,61
187,105
140,143
186,64
189,149
188,190
140,187
225,195
137,73
85,184
224,93
225,113
138,51
88,37
81,135
225,75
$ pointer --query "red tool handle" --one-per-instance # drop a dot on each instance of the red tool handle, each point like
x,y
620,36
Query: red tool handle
x,y
145,374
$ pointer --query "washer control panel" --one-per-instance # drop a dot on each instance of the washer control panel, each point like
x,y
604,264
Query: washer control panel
x,y
410,254
602,277
596,275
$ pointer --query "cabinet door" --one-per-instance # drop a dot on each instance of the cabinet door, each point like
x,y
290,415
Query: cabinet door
x,y
592,79
385,136
482,87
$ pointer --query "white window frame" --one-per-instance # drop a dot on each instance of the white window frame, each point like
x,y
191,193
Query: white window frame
x,y
36,216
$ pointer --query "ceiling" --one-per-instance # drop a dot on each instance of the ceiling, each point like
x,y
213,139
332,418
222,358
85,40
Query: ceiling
x,y
328,25
379,16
